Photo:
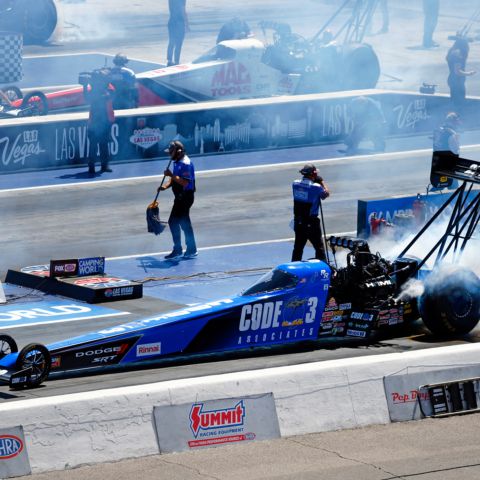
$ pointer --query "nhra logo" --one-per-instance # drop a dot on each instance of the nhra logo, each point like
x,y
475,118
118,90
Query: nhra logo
x,y
10,446
213,419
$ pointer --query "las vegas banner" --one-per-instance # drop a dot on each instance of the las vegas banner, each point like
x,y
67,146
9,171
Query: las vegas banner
x,y
213,423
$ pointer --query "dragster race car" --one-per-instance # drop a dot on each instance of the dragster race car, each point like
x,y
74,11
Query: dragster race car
x,y
244,68
294,302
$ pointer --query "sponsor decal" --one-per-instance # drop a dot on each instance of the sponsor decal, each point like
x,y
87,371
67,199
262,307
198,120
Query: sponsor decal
x,y
119,292
368,317
101,350
39,270
149,349
231,79
215,441
91,266
100,282
10,446
408,397
293,323
356,333
63,268
18,149
146,137
201,420
345,306
56,362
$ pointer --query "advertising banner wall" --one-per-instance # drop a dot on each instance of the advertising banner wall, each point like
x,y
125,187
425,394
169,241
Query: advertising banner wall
x,y
14,460
407,401
212,127
216,422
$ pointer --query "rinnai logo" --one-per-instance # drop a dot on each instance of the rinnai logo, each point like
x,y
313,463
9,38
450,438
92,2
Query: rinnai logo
x,y
10,446
149,349
213,419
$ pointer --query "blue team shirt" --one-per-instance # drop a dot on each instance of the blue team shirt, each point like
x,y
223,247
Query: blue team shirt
x,y
307,192
184,169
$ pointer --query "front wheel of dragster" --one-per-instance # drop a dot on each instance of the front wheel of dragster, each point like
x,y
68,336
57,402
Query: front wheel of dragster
x,y
450,304
7,345
35,103
12,93
37,357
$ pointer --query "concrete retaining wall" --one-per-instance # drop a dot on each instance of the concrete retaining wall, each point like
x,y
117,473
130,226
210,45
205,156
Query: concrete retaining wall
x,y
108,425
37,143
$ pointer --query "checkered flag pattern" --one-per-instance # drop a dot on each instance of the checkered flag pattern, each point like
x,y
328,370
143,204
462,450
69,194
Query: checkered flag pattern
x,y
11,45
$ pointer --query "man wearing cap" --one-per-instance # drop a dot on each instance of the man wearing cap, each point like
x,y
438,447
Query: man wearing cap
x,y
182,182
124,82
308,192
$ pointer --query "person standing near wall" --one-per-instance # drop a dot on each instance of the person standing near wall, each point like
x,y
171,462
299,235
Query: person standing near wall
x,y
308,192
100,120
457,62
177,26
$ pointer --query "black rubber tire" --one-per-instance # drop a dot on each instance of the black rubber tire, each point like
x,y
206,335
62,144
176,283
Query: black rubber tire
x,y
12,92
7,345
35,103
39,19
361,68
38,357
451,306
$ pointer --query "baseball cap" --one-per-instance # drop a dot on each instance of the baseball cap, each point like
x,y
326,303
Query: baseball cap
x,y
308,169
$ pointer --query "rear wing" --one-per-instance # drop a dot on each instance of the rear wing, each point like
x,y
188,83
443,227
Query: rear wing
x,y
446,166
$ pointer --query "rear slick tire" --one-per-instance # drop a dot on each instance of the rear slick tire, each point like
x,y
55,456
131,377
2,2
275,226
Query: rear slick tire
x,y
451,306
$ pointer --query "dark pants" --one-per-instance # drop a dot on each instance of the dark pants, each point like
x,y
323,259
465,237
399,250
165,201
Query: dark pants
x,y
457,91
176,35
308,229
180,220
98,139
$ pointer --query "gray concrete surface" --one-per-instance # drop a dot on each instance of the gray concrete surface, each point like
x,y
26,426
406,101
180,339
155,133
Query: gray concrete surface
x,y
430,449
139,29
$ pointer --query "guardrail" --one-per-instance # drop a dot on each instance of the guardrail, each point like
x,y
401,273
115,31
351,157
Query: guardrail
x,y
214,127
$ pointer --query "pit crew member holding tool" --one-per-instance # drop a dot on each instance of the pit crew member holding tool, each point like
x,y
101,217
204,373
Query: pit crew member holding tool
x,y
177,26
124,82
308,192
182,182
100,120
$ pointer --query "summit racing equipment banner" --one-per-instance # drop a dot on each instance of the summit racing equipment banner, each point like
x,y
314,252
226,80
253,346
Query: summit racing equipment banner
x,y
235,125
216,422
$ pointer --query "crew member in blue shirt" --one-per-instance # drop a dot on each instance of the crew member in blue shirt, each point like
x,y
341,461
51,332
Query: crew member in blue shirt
x,y
308,192
182,182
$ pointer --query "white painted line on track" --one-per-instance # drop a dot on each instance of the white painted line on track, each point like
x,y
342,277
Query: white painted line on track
x,y
231,245
202,173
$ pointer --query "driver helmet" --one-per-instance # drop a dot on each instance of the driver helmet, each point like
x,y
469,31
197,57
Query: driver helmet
x,y
120,60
